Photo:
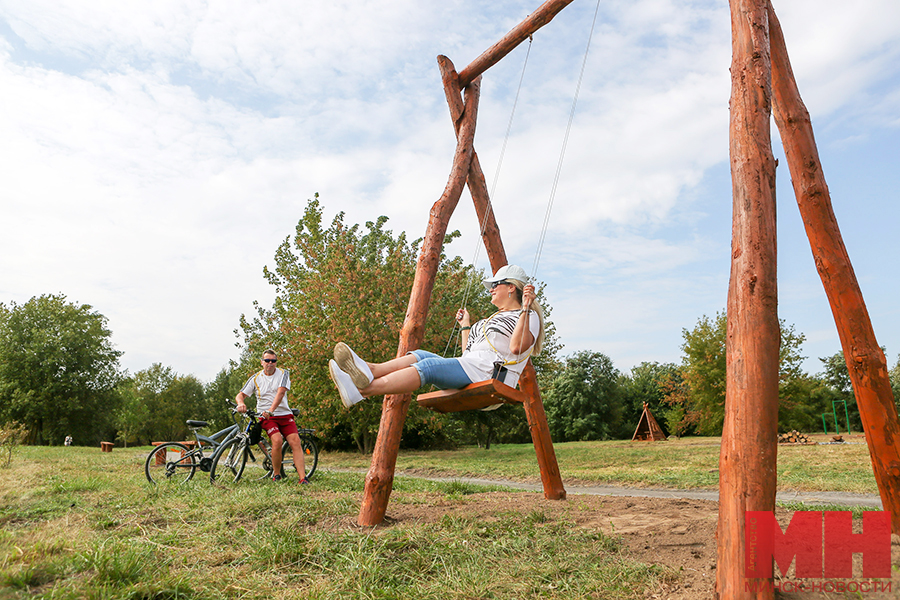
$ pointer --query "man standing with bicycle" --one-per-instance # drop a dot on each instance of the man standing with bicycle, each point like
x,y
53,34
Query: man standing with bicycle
x,y
270,385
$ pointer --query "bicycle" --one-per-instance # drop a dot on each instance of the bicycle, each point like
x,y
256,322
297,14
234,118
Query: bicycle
x,y
231,457
176,461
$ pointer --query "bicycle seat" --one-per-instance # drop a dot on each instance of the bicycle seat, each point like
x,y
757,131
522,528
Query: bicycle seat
x,y
198,424
295,412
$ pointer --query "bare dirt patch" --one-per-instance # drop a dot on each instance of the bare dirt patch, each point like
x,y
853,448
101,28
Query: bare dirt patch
x,y
677,533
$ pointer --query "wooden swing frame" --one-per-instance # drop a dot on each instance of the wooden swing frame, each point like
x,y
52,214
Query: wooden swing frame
x,y
762,84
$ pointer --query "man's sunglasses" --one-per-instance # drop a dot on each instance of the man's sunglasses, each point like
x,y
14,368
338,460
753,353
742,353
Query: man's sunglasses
x,y
270,360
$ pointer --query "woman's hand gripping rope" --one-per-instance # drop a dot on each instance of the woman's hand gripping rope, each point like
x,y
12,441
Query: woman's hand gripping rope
x,y
463,319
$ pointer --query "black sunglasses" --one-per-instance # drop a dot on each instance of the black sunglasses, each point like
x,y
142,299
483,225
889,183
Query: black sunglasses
x,y
496,283
270,360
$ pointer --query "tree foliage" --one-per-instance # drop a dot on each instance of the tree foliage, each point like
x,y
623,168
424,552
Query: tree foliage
x,y
157,402
345,283
584,402
647,384
697,401
58,370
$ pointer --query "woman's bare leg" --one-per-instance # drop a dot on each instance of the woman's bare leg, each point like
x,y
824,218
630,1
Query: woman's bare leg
x,y
382,369
406,379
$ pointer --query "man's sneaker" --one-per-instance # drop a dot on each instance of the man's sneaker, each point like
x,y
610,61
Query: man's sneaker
x,y
349,393
353,365
277,478
304,480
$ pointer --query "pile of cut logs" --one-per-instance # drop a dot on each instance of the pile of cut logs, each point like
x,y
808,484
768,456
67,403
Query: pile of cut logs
x,y
794,437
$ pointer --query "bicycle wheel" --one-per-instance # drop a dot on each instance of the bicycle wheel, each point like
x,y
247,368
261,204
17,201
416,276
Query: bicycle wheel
x,y
229,462
170,462
310,454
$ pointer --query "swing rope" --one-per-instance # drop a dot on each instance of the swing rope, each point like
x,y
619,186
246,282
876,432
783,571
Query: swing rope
x,y
562,153
555,185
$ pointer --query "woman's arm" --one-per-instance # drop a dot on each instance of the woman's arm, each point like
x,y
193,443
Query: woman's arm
x,y
462,317
521,338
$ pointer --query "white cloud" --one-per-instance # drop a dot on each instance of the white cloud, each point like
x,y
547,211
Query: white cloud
x,y
155,155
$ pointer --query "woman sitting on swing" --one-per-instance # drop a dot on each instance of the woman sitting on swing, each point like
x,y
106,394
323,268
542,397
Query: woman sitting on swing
x,y
494,348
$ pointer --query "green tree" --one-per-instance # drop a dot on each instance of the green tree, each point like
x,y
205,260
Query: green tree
x,y
584,401
132,414
698,401
168,400
645,384
340,283
58,370
227,383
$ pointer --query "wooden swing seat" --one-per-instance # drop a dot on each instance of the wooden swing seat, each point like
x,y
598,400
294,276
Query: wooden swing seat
x,y
472,397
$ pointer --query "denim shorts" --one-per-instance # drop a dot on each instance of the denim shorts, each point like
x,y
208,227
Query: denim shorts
x,y
445,373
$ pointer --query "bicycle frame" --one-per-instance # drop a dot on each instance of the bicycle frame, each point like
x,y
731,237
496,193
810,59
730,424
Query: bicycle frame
x,y
213,440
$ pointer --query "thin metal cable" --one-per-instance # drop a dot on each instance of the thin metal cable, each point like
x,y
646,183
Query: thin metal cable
x,y
562,153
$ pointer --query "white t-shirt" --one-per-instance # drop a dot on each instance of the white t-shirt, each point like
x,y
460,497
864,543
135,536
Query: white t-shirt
x,y
489,342
265,387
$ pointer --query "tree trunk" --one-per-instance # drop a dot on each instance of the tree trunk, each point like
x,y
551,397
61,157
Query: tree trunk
x,y
865,360
749,438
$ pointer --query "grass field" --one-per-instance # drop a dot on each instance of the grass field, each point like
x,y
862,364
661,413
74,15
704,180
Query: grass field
x,y
78,523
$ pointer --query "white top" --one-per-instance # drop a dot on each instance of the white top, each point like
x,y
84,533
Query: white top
x,y
489,342
265,387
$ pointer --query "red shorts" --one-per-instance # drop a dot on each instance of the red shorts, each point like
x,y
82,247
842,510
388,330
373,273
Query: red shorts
x,y
285,424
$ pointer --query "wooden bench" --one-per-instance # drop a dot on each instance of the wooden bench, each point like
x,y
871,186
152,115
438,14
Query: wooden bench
x,y
161,459
106,446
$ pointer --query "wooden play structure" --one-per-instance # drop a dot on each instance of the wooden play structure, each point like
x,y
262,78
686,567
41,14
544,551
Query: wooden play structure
x,y
761,84
648,430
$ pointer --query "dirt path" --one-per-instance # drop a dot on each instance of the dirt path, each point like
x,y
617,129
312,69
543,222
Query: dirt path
x,y
669,527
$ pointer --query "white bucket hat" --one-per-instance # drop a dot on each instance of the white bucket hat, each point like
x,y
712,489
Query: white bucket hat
x,y
507,272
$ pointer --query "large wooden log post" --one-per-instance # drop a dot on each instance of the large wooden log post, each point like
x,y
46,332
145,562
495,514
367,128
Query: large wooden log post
x,y
747,476
380,478
865,360
540,436
490,57
490,232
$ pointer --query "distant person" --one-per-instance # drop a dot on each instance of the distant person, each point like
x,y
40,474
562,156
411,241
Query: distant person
x,y
494,348
68,441
270,385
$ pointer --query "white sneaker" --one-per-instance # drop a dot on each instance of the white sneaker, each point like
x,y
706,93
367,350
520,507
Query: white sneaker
x,y
353,365
349,393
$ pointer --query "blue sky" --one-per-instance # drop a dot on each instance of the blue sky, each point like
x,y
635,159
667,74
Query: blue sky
x,y
154,155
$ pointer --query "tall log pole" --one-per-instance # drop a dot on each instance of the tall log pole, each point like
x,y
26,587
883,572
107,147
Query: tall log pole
x,y
540,435
747,475
534,406
380,478
490,232
543,15
865,360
